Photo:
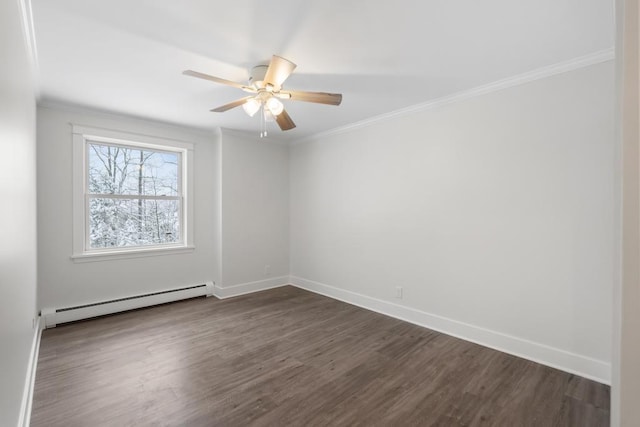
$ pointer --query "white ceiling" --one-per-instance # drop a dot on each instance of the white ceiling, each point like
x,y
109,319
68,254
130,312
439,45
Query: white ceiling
x,y
127,56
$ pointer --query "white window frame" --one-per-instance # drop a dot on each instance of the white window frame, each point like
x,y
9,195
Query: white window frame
x,y
82,137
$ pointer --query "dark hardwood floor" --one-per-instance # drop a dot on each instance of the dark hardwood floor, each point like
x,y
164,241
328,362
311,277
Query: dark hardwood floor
x,y
289,357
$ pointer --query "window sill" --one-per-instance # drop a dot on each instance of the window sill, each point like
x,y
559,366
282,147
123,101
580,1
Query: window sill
x,y
130,253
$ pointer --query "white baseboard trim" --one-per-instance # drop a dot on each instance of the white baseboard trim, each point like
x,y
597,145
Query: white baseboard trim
x,y
587,367
27,394
222,292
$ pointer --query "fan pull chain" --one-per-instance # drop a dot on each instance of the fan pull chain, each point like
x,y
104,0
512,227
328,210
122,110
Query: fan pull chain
x,y
263,123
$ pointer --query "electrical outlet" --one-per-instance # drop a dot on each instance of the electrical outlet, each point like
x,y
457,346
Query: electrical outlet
x,y
399,292
267,270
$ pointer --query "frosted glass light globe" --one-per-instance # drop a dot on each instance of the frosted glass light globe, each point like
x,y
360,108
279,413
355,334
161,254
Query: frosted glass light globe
x,y
275,106
251,107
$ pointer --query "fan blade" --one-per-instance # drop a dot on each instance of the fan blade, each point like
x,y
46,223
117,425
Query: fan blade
x,y
279,70
218,80
317,97
231,105
284,121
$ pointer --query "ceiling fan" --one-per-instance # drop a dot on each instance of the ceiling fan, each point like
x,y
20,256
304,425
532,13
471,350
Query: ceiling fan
x,y
265,87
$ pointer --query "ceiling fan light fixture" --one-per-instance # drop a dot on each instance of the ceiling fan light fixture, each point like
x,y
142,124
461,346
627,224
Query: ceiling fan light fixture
x,y
251,107
265,87
274,106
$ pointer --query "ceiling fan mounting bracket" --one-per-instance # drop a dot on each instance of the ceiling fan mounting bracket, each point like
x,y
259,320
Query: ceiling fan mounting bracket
x,y
256,76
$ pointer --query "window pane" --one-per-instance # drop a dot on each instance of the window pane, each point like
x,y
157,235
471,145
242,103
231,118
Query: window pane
x,y
133,222
130,171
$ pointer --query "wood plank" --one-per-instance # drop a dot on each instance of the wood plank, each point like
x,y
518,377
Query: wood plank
x,y
289,357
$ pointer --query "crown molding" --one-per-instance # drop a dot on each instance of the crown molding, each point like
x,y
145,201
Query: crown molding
x,y
52,104
537,74
30,41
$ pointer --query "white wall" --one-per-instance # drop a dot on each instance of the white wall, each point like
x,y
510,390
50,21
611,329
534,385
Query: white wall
x,y
495,211
65,283
17,212
255,210
241,215
625,388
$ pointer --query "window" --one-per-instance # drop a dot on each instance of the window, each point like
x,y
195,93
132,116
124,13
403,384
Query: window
x,y
133,197
131,194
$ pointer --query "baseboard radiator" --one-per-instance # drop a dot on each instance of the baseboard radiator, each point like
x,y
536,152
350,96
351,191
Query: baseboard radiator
x,y
56,316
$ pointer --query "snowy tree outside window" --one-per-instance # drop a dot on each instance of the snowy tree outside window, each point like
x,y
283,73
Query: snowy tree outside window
x,y
133,196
